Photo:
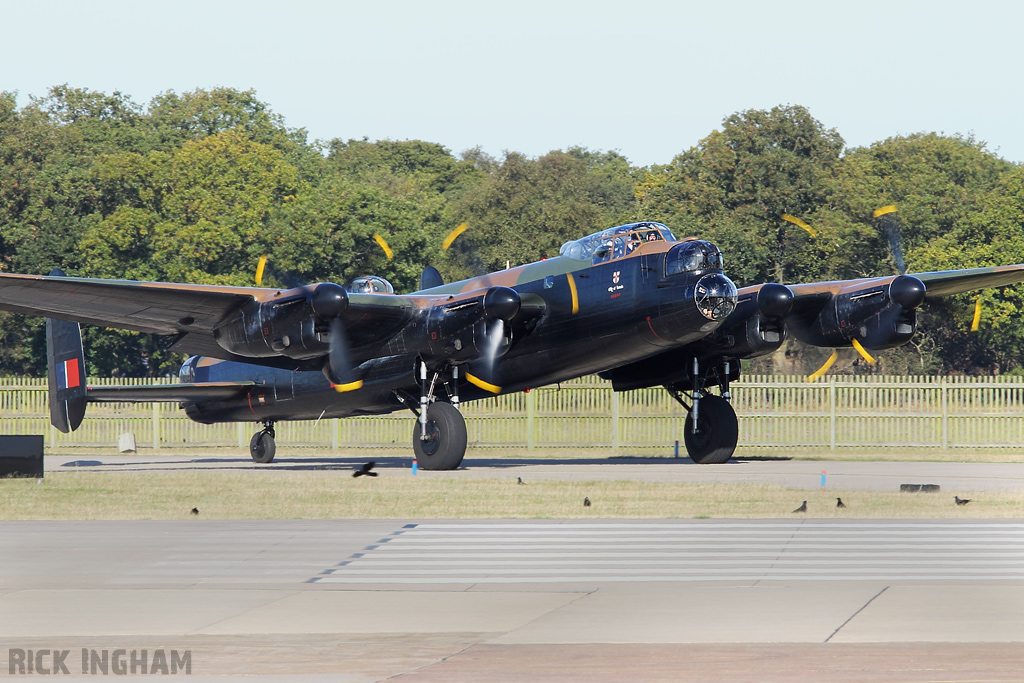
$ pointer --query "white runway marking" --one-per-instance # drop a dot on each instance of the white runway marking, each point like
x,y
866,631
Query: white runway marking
x,y
468,553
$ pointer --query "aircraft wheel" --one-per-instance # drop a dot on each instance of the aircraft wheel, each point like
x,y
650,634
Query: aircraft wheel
x,y
717,432
262,447
446,442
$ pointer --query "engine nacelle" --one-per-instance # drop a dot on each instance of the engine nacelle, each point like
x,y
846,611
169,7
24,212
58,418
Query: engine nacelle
x,y
293,324
756,328
461,331
879,315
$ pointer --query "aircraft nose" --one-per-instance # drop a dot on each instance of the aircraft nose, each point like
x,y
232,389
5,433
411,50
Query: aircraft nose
x,y
715,296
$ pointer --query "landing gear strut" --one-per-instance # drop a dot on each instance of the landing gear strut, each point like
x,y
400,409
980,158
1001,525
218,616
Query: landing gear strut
x,y
262,447
439,438
712,430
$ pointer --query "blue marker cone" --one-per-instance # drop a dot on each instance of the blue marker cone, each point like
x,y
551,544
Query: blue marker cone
x,y
415,466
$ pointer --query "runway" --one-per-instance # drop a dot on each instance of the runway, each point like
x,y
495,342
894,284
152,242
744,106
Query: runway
x,y
528,600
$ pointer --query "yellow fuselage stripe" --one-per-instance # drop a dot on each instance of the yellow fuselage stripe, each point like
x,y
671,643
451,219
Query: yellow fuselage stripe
x,y
575,295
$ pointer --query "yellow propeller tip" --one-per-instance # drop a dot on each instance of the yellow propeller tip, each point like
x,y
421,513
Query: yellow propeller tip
x,y
817,374
884,210
486,386
863,352
351,386
259,270
383,245
976,323
461,228
799,223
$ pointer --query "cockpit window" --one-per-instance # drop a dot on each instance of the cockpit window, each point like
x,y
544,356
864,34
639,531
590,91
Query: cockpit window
x,y
615,242
370,284
692,257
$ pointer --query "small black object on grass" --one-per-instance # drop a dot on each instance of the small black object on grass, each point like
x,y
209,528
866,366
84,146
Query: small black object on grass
x,y
586,502
802,508
520,479
365,469
195,511
961,501
840,503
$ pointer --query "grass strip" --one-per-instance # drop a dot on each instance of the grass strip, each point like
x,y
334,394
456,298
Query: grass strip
x,y
311,495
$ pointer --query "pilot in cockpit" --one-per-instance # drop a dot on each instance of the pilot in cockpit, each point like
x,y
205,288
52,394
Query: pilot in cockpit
x,y
633,242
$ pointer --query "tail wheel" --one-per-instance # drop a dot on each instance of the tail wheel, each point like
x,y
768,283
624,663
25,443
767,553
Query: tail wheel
x,y
717,432
446,440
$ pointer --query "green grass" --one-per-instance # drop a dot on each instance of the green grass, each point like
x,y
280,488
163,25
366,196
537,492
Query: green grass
x,y
312,495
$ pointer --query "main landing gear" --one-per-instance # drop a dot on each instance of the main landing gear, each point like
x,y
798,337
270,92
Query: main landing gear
x,y
439,438
712,429
262,447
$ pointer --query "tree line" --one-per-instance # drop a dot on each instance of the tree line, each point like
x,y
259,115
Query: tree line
x,y
195,187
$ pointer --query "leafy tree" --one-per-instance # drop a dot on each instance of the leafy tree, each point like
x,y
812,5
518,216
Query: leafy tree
x,y
526,209
992,235
936,182
736,185
327,234
174,119
403,168
201,215
47,196
939,185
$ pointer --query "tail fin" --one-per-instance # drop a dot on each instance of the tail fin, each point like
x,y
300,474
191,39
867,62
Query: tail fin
x,y
66,372
430,278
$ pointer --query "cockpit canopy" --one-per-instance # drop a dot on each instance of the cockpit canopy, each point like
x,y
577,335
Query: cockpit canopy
x,y
369,284
693,256
615,242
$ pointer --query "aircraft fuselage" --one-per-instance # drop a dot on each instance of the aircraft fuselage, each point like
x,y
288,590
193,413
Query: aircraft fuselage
x,y
595,317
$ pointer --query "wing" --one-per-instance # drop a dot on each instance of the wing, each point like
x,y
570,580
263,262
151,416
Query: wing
x,y
874,312
869,295
946,282
192,314
151,307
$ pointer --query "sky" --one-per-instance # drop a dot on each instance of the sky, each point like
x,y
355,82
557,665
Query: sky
x,y
648,79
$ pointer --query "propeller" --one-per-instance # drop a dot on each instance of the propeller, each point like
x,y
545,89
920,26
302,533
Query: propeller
x,y
466,250
339,367
500,304
286,279
329,301
889,224
484,372
800,224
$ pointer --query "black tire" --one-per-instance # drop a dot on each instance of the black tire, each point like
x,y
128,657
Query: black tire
x,y
262,448
717,432
447,438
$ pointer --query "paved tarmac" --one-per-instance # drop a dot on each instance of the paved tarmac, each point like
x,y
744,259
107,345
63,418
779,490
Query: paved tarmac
x,y
357,600
876,475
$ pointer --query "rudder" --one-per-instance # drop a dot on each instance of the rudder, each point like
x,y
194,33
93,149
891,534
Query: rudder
x,y
65,359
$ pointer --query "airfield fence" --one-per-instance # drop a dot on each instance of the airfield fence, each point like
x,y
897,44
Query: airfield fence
x,y
776,414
